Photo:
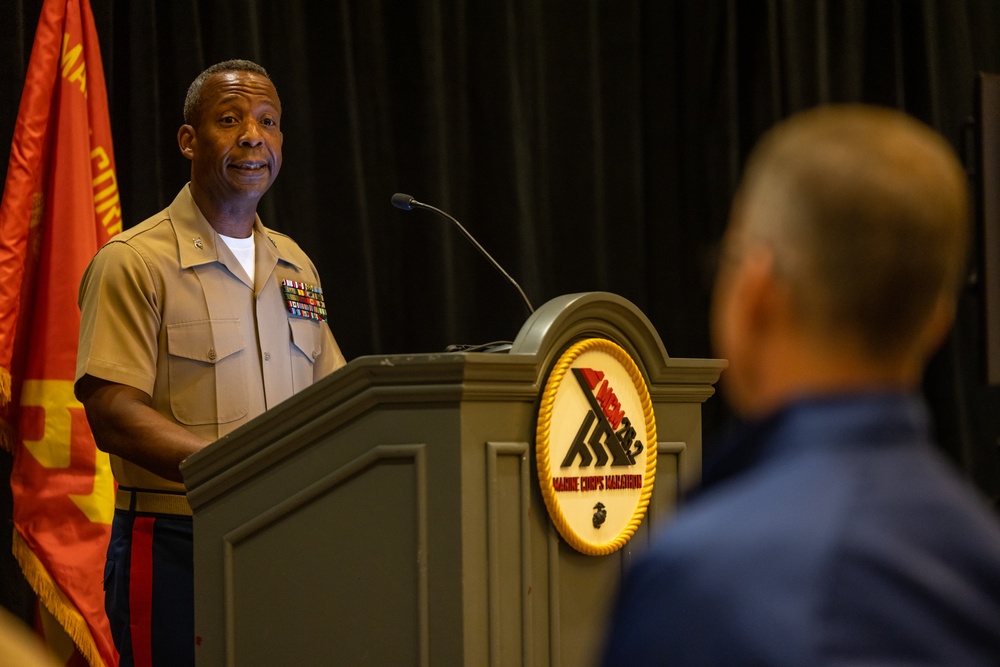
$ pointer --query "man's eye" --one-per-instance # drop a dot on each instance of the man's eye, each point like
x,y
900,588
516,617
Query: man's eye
x,y
269,122
229,120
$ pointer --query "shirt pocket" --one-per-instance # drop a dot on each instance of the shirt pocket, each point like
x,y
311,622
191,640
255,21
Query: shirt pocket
x,y
307,344
207,378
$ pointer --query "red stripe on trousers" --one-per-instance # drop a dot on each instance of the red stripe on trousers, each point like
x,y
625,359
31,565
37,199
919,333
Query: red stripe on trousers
x,y
140,595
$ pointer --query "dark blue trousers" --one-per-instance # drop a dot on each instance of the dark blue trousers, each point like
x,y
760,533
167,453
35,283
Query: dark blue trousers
x,y
149,589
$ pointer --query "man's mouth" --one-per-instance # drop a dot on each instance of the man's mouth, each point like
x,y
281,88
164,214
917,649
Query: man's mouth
x,y
252,165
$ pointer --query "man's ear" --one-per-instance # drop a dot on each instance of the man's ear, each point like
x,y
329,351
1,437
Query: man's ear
x,y
761,296
938,325
743,324
186,141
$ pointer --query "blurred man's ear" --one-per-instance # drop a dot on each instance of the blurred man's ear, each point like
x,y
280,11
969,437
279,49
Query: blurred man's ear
x,y
750,304
937,327
761,298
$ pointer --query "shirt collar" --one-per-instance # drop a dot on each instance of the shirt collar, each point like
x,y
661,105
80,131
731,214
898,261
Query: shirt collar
x,y
812,424
198,242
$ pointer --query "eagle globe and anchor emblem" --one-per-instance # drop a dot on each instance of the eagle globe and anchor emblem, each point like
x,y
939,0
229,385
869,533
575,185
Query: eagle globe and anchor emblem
x,y
595,464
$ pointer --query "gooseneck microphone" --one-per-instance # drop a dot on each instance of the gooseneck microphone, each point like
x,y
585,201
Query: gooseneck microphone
x,y
408,203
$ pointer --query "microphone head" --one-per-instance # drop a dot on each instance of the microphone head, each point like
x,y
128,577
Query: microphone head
x,y
402,201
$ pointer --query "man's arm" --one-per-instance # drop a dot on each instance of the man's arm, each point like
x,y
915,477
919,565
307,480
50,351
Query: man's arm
x,y
125,424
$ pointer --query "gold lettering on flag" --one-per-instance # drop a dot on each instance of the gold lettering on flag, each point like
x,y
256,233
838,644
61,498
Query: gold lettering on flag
x,y
99,504
106,204
69,60
53,447
55,398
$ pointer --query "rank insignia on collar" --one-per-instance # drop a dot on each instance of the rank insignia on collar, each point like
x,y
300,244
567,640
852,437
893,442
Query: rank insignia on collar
x,y
304,300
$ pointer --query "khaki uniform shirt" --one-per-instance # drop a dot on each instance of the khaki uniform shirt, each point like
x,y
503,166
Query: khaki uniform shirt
x,y
167,308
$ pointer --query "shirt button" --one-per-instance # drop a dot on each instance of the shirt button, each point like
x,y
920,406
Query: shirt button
x,y
267,356
211,354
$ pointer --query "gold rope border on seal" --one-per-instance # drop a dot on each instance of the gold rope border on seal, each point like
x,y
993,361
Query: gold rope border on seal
x,y
542,446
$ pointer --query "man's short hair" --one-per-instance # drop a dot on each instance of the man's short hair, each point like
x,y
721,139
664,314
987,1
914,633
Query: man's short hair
x,y
866,210
192,101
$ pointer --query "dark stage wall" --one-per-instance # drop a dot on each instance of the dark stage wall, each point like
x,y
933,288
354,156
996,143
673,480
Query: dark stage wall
x,y
588,145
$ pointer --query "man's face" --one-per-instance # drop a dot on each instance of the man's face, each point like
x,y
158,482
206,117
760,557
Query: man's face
x,y
235,142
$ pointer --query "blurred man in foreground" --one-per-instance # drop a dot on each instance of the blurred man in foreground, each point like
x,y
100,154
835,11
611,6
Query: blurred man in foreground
x,y
828,529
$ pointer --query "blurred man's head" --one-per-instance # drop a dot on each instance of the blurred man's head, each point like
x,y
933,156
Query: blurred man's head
x,y
846,246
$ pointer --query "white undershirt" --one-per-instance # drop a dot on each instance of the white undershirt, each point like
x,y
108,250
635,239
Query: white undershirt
x,y
244,251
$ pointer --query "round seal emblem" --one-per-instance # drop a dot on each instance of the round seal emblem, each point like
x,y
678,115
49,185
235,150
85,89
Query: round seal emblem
x,y
596,446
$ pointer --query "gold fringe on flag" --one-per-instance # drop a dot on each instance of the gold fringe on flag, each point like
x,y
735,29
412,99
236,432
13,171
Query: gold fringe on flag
x,y
56,601
4,386
6,428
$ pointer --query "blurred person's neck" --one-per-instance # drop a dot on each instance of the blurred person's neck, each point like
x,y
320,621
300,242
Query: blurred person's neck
x,y
790,368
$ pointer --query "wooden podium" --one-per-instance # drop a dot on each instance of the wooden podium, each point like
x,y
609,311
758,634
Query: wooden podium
x,y
391,515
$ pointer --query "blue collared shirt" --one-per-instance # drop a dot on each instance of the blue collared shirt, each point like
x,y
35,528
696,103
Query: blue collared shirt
x,y
832,533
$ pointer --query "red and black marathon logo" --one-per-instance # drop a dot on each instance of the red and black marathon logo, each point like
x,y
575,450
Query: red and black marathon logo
x,y
606,434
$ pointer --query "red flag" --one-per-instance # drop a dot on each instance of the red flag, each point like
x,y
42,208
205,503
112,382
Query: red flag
x,y
60,203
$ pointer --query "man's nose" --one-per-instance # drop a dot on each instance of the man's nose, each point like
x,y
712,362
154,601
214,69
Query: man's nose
x,y
251,135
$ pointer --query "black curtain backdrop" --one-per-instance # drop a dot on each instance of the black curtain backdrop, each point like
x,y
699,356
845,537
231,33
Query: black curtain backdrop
x,y
589,145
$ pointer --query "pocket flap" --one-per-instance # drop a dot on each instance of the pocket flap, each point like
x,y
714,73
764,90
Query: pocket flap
x,y
307,337
207,341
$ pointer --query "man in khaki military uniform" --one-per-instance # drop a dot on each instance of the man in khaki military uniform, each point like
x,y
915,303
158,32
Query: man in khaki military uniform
x,y
194,322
